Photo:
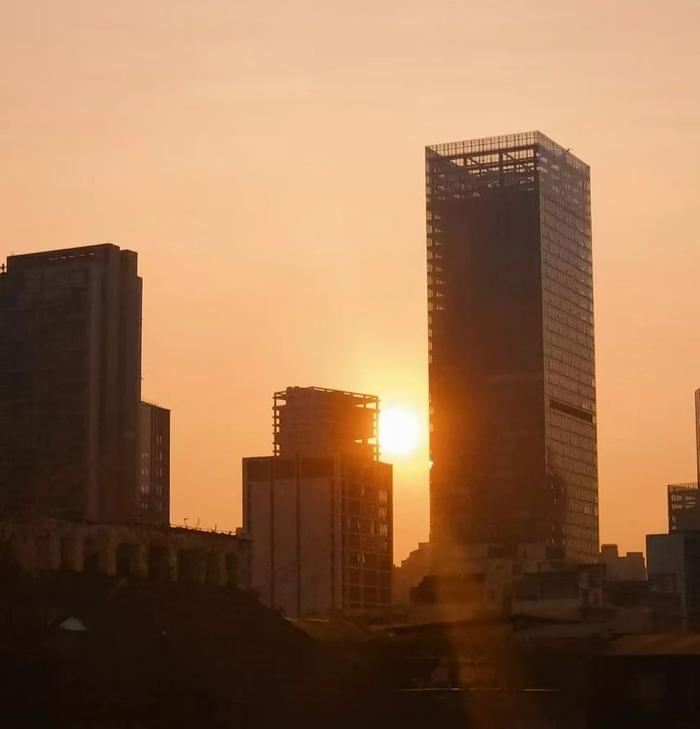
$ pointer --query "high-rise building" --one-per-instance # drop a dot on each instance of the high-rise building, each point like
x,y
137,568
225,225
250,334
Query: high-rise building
x,y
70,383
319,511
511,347
154,466
683,507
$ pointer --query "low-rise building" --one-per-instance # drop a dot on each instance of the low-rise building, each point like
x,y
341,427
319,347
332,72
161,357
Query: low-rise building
x,y
675,559
559,593
138,551
630,568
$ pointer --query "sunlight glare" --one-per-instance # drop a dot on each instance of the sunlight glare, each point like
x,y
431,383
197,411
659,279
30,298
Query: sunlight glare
x,y
399,431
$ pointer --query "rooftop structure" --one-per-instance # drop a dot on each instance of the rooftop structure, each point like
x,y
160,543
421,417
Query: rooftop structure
x,y
316,420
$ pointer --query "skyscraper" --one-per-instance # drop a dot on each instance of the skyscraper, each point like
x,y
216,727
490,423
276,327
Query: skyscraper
x,y
511,347
70,383
319,511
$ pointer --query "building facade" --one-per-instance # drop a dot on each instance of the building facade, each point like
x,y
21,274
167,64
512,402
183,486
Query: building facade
x,y
619,568
683,507
319,511
511,346
139,551
70,383
676,558
154,471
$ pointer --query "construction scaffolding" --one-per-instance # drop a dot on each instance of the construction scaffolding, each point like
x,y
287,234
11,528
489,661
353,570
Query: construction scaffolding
x,y
316,420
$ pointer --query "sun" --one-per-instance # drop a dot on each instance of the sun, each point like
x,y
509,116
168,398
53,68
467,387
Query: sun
x,y
399,431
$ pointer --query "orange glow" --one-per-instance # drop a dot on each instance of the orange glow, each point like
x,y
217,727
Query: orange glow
x,y
266,160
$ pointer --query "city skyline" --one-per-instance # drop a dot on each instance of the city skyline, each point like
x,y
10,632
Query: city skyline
x,y
175,134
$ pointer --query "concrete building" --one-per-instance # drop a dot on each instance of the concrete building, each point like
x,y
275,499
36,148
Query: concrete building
x,y
154,472
319,511
138,551
683,507
560,593
675,558
511,346
70,384
629,568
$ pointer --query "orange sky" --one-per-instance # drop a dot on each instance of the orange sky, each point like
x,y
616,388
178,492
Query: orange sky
x,y
266,161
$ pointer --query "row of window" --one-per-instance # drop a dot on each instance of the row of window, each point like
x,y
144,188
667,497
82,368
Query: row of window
x,y
353,507
588,494
567,192
566,463
580,284
570,292
564,354
560,437
571,430
567,384
569,182
559,228
580,345
579,223
367,560
579,308
571,370
562,272
560,295
365,526
568,257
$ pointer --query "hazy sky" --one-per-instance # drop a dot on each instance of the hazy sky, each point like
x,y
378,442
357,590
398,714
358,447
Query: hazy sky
x,y
266,161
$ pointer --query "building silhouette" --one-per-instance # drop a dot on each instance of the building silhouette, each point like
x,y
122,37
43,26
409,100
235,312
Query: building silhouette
x,y
70,387
683,507
511,347
154,466
319,511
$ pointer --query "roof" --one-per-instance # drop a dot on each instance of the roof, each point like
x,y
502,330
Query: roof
x,y
504,143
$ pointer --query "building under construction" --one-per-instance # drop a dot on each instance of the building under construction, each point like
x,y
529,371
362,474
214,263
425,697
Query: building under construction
x,y
319,510
319,420
511,363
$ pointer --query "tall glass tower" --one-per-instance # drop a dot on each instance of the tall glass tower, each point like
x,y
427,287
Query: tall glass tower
x,y
512,373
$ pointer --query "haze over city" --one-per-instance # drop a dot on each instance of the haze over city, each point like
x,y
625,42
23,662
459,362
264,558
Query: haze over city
x,y
267,165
